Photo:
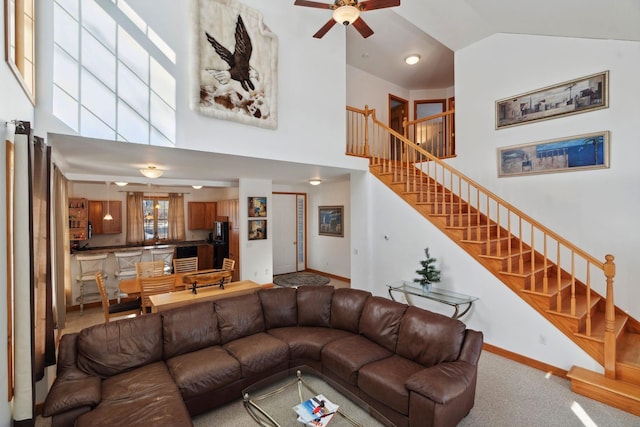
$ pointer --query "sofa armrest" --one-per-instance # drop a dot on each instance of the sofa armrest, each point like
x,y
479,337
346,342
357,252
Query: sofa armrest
x,y
72,389
443,382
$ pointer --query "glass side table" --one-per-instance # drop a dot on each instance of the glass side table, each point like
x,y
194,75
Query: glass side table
x,y
444,296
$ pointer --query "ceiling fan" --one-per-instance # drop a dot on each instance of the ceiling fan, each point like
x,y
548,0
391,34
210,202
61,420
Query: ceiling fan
x,y
347,12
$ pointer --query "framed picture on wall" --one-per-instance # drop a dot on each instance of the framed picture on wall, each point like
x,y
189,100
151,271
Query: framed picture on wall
x,y
330,221
575,96
257,207
257,229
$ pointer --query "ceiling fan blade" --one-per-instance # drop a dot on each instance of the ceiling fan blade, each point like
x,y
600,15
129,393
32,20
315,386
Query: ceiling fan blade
x,y
362,28
325,28
312,4
378,4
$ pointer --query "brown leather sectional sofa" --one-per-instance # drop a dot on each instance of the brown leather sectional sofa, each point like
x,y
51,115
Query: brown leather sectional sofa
x,y
412,366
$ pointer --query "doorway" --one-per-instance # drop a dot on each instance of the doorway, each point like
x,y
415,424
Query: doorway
x,y
398,112
289,231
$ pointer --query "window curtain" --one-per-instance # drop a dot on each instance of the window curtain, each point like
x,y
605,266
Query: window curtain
x,y
135,218
176,217
61,249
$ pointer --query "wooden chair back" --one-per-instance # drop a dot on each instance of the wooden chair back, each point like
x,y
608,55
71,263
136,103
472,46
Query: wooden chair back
x,y
154,285
115,310
228,264
150,268
185,265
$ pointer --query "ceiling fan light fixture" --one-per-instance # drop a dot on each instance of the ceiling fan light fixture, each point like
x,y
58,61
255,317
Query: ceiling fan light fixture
x,y
151,172
315,181
346,15
412,59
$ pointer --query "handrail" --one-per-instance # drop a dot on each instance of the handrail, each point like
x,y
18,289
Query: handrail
x,y
524,246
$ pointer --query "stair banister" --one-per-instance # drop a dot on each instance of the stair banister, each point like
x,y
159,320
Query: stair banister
x,y
610,321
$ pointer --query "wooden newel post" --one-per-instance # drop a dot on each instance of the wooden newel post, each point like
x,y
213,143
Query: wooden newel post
x,y
366,130
609,268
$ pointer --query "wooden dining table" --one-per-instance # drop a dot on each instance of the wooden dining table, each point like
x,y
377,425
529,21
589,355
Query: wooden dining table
x,y
132,288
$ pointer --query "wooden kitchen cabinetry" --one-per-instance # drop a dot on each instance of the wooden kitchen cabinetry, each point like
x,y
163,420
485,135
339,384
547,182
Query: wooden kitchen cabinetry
x,y
201,215
205,257
98,209
231,210
78,223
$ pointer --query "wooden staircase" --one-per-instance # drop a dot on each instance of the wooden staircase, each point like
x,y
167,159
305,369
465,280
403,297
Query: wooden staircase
x,y
552,275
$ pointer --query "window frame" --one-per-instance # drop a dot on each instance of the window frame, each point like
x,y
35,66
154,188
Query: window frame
x,y
156,200
16,31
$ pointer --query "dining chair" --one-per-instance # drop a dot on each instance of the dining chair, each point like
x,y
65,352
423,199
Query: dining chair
x,y
166,255
89,265
126,267
228,264
149,268
128,308
185,265
154,285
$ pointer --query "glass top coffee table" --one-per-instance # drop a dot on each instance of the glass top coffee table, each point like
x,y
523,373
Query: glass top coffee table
x,y
270,402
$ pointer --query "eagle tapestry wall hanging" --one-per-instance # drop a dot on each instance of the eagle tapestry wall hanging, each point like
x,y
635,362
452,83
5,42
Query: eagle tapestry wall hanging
x,y
236,64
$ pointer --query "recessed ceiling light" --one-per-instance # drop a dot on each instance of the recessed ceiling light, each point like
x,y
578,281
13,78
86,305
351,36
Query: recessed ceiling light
x,y
412,59
315,181
121,183
197,187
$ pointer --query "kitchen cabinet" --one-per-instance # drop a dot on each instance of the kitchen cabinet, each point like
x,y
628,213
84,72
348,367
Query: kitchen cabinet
x,y
78,222
201,215
205,257
98,209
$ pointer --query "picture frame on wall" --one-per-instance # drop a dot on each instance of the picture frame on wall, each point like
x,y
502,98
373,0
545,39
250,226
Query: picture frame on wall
x,y
331,221
257,207
257,229
574,153
576,96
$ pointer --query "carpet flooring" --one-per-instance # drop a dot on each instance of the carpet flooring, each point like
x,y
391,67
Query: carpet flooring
x,y
302,278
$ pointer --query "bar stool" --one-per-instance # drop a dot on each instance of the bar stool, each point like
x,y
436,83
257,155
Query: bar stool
x,y
126,267
89,265
165,255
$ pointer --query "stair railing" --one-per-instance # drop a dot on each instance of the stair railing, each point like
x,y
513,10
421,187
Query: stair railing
x,y
525,247
435,133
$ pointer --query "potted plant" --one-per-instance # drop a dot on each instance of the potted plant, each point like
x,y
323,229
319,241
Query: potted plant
x,y
429,274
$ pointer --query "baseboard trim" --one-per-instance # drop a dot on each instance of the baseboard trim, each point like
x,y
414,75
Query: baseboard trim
x,y
536,364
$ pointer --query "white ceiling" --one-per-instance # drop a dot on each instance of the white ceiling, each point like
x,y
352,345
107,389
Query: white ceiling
x,y
451,25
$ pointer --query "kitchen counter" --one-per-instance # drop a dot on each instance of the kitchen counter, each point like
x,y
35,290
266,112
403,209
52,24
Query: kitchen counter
x,y
123,248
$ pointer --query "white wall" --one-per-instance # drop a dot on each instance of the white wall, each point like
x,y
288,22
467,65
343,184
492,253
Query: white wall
x,y
596,210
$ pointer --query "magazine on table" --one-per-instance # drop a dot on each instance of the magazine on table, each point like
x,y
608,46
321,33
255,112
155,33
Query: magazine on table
x,y
316,412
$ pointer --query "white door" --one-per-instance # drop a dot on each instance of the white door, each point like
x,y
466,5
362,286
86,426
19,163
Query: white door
x,y
284,233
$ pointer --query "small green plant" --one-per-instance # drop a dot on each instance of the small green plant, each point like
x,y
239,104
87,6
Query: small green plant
x,y
428,272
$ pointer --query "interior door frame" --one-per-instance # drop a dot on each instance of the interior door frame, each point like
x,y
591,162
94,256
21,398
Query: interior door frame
x,y
299,198
394,99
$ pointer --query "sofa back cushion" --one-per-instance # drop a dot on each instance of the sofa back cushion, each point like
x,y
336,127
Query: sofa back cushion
x,y
239,317
380,321
314,305
112,348
346,308
279,307
429,338
189,328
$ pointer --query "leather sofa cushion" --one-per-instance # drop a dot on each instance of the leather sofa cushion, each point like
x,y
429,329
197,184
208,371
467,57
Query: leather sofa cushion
x,y
108,349
279,307
429,338
204,370
142,397
346,308
239,317
314,305
258,353
306,342
380,321
344,357
189,328
384,380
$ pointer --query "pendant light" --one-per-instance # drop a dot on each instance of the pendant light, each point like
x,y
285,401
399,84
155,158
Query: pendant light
x,y
108,216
